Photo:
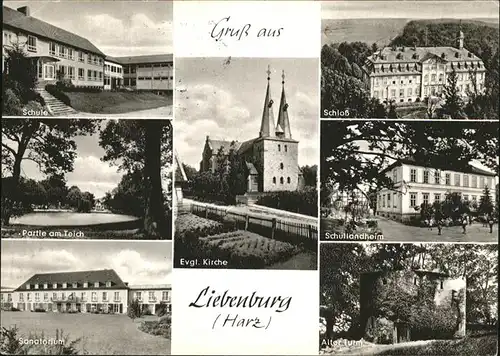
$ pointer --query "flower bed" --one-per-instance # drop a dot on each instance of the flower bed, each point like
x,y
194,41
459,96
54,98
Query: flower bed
x,y
190,226
245,249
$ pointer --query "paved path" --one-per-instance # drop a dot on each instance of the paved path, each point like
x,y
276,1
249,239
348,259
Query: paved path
x,y
244,209
164,112
396,231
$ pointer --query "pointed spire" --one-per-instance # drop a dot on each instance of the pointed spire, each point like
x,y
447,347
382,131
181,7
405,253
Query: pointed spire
x,y
267,124
283,121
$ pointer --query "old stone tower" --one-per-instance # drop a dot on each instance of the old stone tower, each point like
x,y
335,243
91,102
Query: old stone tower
x,y
407,305
272,157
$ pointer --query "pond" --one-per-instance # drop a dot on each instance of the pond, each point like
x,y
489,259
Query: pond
x,y
70,219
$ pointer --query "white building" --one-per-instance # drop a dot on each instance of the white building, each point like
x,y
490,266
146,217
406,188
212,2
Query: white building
x,y
151,296
113,73
411,74
416,184
100,291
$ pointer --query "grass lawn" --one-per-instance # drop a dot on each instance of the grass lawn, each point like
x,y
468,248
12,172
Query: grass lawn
x,y
469,346
107,102
101,334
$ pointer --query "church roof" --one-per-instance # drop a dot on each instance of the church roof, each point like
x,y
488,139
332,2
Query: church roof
x,y
251,168
267,124
283,121
246,145
216,145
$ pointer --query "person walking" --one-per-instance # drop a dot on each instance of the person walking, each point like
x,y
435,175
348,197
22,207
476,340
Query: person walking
x,y
491,222
464,223
439,225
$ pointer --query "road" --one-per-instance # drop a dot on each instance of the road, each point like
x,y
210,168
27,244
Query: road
x,y
164,112
396,231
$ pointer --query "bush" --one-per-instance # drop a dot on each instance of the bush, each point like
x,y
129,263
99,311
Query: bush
x,y
57,92
162,309
11,104
134,309
39,310
300,201
156,328
10,344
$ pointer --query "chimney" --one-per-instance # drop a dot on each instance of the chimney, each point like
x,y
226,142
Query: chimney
x,y
24,10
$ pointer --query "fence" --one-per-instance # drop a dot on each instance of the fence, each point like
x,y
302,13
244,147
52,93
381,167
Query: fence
x,y
297,233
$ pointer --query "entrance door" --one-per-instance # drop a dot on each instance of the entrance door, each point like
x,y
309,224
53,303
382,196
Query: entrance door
x,y
49,72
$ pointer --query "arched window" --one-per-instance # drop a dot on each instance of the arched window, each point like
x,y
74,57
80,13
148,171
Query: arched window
x,y
286,148
288,180
281,165
274,180
282,180
279,148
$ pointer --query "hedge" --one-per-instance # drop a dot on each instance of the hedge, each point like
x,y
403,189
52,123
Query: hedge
x,y
300,201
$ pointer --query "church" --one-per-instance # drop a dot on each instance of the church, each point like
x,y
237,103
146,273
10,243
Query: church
x,y
271,159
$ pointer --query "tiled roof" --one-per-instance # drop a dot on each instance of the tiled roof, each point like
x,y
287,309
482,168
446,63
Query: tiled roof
x,y
18,20
155,58
112,59
251,168
419,54
215,145
245,146
457,167
150,286
101,276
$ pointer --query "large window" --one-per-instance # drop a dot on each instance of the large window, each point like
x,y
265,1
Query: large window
x,y
81,76
481,182
437,197
437,177
31,43
425,198
164,295
413,175
426,176
474,181
81,56
448,179
117,296
457,179
466,180
52,48
394,175
71,72
413,200
71,54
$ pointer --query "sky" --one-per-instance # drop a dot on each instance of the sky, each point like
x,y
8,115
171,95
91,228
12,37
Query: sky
x,y
225,101
117,28
409,9
89,174
136,262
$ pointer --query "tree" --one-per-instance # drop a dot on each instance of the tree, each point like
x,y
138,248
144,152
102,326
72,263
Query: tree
x,y
310,174
361,151
190,171
47,142
20,74
485,203
143,146
454,104
56,189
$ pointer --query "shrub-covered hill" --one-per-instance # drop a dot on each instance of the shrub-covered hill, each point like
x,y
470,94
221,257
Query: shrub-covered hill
x,y
481,38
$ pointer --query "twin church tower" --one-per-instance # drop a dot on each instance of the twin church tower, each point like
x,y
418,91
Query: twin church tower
x,y
271,158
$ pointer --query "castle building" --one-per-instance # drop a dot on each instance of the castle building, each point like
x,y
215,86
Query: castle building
x,y
57,53
101,291
271,159
417,183
380,311
411,74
